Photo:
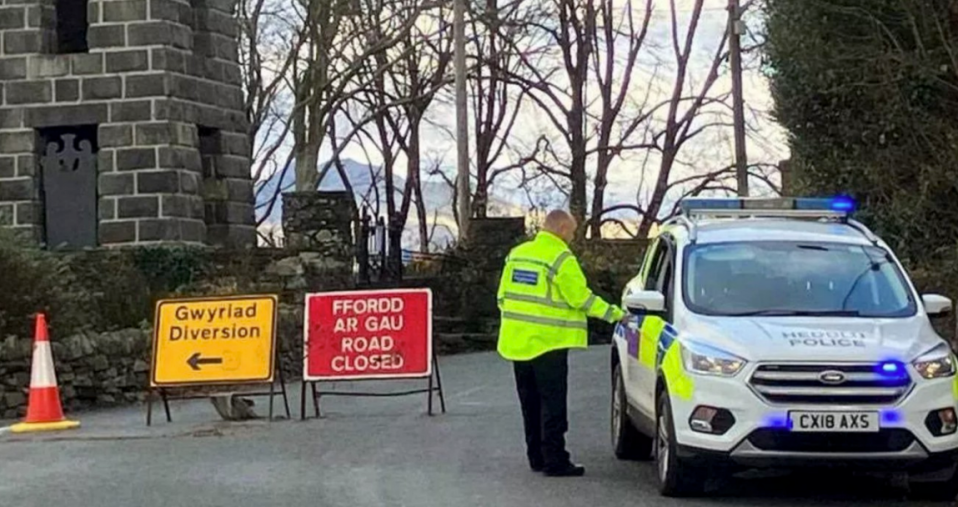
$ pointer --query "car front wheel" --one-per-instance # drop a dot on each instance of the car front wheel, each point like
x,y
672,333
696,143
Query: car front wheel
x,y
676,478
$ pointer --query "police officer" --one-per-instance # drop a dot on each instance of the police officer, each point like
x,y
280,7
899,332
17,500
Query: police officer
x,y
544,302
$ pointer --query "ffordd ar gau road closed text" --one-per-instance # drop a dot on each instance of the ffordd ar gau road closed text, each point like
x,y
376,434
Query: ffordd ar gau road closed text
x,y
367,343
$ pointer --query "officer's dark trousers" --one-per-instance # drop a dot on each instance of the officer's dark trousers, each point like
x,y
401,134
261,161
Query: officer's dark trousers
x,y
543,387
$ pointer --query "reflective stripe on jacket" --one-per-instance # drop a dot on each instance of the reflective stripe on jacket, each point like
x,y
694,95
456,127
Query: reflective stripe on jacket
x,y
544,300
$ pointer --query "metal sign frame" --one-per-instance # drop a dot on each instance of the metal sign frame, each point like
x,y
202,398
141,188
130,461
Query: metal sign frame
x,y
435,386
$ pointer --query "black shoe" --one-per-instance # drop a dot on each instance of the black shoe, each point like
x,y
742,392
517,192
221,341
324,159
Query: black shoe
x,y
569,470
536,462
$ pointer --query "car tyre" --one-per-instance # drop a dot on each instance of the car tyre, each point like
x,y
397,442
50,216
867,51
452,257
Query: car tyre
x,y
627,442
676,477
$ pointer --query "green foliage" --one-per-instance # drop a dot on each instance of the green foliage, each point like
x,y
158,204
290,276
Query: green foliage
x,y
33,281
112,292
100,290
868,91
169,269
610,264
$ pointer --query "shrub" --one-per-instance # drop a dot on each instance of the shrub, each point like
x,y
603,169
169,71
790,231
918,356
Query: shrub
x,y
31,281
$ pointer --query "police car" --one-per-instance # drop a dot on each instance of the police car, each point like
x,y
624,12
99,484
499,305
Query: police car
x,y
781,333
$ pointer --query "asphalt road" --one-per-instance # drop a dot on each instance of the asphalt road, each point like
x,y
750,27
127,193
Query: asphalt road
x,y
372,452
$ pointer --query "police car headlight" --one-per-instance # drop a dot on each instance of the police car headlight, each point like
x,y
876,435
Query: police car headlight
x,y
710,361
938,363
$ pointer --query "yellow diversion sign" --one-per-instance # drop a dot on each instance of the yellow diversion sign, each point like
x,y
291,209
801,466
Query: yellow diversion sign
x,y
214,340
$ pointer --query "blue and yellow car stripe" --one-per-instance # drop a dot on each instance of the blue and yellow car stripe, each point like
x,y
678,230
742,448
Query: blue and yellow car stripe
x,y
653,342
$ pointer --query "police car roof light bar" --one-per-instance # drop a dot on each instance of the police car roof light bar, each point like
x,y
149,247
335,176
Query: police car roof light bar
x,y
784,207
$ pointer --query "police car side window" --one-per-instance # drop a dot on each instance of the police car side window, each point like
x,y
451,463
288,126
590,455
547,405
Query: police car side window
x,y
662,270
665,282
654,274
655,266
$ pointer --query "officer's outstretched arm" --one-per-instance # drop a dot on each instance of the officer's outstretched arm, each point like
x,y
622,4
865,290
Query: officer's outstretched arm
x,y
575,290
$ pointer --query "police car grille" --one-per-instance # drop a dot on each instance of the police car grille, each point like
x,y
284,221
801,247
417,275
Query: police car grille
x,y
886,440
862,384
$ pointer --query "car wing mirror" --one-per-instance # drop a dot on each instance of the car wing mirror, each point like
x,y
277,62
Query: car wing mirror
x,y
936,305
644,301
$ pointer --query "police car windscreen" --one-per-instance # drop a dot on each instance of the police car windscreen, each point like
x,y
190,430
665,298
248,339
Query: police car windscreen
x,y
786,278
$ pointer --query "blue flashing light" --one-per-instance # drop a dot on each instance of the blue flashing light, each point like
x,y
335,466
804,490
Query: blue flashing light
x,y
777,421
890,416
891,368
843,204
840,204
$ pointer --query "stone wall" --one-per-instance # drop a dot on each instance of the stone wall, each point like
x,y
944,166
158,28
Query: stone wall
x,y
92,370
159,83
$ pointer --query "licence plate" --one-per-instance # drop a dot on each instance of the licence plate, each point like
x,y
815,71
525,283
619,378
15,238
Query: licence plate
x,y
834,422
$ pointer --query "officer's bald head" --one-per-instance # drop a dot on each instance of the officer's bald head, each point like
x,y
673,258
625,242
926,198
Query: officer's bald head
x,y
562,224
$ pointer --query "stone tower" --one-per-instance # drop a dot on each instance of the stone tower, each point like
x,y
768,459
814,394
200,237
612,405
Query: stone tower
x,y
122,122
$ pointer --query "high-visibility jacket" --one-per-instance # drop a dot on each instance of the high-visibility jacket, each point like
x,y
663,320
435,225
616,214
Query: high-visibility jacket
x,y
544,300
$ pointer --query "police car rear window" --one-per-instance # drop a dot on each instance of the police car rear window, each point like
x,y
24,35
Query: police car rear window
x,y
790,278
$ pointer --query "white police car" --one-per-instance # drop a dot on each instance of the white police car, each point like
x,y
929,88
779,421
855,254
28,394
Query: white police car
x,y
780,333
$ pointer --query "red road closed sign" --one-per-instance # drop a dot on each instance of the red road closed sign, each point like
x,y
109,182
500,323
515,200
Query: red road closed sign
x,y
368,334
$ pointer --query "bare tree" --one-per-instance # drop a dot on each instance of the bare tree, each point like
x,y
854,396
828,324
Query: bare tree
x,y
391,92
340,42
496,104
554,75
684,118
616,32
419,76
420,70
269,42
646,100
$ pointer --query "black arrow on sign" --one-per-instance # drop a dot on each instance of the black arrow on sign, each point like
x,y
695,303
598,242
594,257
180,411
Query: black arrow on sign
x,y
195,361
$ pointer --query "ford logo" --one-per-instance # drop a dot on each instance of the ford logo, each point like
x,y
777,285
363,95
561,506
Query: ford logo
x,y
831,377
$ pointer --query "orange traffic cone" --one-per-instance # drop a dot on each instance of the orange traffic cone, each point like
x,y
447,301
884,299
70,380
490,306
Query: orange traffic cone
x,y
44,412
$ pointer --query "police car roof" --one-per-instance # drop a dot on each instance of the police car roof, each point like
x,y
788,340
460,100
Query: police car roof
x,y
774,229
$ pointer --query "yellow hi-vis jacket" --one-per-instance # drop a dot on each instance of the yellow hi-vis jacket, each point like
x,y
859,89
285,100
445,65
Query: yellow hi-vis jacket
x,y
544,300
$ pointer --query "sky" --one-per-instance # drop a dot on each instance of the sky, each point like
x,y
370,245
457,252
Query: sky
x,y
630,175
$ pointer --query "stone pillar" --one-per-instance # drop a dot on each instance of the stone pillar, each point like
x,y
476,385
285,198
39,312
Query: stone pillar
x,y
320,222
155,75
